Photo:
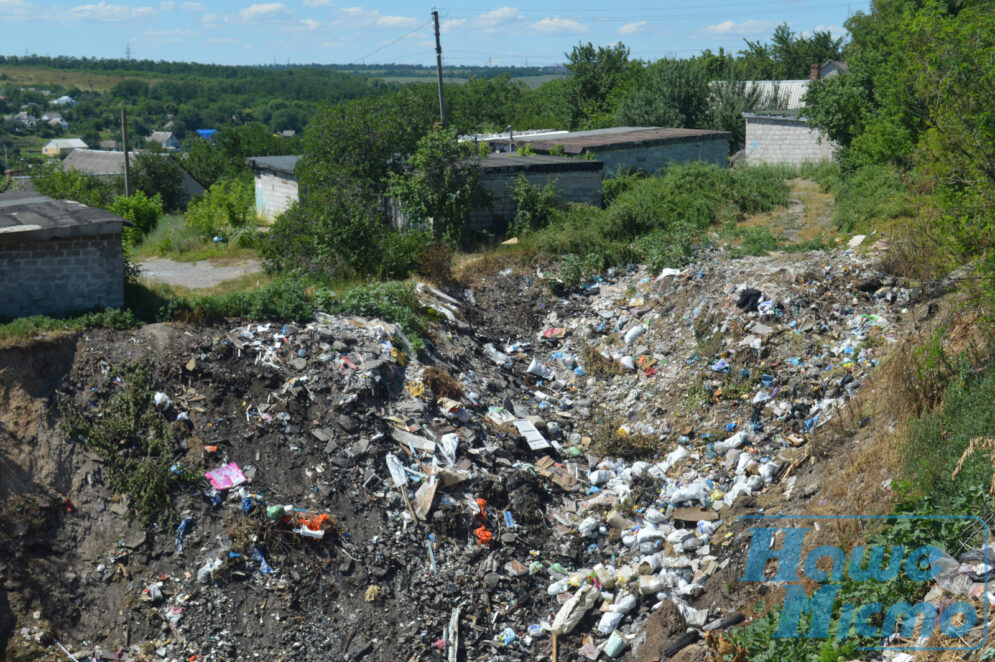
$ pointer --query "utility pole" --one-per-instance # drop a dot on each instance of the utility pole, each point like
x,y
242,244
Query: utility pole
x,y
124,146
438,67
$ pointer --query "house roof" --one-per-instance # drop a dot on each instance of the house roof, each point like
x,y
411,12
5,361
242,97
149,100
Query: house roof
x,y
160,136
94,162
577,142
284,164
499,163
28,216
67,143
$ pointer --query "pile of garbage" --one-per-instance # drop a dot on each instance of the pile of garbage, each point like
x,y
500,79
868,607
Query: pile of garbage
x,y
498,498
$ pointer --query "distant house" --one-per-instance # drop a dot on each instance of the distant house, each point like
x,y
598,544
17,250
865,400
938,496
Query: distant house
x,y
165,139
55,120
108,145
828,69
60,146
108,165
640,148
58,256
63,101
275,183
288,133
25,119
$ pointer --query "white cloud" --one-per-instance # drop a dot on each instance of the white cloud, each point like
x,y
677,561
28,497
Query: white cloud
x,y
264,12
158,37
632,28
835,30
373,17
106,13
487,22
222,40
734,29
167,6
193,6
310,24
557,24
318,3
16,8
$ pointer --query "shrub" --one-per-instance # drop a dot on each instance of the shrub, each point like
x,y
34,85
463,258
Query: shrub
x,y
141,210
391,301
533,205
619,183
871,192
222,209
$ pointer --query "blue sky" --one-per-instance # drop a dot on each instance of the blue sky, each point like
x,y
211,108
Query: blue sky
x,y
327,31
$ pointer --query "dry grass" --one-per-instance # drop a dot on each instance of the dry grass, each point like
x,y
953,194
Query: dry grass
x,y
596,364
808,215
441,384
477,268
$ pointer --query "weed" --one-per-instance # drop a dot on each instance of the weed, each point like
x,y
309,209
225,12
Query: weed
x,y
28,327
442,384
596,363
133,438
391,301
607,440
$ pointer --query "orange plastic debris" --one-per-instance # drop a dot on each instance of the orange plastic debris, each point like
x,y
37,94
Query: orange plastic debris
x,y
482,503
484,537
316,522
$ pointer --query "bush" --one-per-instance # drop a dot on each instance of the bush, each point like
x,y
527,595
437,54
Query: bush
x,y
285,298
874,192
142,211
533,205
619,183
222,209
759,188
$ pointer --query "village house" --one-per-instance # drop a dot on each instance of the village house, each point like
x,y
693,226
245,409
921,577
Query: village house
x,y
108,165
60,146
275,184
165,139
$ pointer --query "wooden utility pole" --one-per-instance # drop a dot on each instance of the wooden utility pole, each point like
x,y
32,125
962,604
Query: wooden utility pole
x,y
438,67
124,146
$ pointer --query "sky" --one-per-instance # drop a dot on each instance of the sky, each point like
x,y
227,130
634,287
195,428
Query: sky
x,y
398,31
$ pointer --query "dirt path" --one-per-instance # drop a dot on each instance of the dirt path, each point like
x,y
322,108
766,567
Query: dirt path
x,y
196,274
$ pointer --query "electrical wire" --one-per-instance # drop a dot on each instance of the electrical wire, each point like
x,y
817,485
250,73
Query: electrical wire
x,y
391,43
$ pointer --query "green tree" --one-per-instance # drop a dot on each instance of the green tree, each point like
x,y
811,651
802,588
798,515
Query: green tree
x,y
223,209
594,77
672,93
534,205
51,180
159,174
143,211
205,162
440,185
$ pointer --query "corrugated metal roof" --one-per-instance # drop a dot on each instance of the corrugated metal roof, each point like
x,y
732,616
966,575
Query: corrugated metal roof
x,y
789,92
67,143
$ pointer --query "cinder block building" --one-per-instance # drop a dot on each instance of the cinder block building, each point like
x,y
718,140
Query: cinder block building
x,y
276,185
58,256
784,137
577,180
638,148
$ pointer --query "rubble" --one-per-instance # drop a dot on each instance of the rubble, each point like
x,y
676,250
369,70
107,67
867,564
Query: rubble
x,y
361,502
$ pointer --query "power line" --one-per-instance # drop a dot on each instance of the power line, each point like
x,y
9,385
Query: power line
x,y
390,43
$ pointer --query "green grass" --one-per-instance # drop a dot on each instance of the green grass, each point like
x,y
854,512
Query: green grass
x,y
25,328
173,239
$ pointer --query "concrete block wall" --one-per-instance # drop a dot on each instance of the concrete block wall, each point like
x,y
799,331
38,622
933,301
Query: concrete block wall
x,y
787,141
656,157
275,193
60,276
580,186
